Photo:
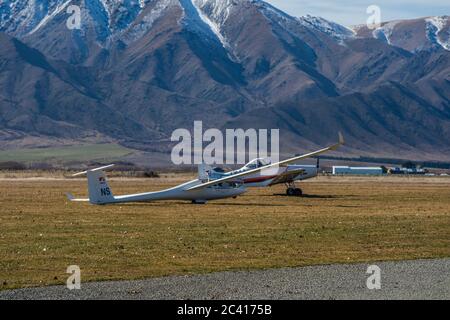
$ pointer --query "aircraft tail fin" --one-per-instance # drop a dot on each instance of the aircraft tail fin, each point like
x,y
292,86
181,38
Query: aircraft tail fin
x,y
203,172
98,187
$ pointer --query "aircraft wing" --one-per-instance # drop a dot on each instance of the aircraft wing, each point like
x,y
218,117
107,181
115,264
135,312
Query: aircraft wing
x,y
278,164
287,176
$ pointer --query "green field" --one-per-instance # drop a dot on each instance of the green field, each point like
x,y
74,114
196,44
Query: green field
x,y
80,153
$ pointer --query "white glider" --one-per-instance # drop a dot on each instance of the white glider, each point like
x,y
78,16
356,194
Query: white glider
x,y
200,190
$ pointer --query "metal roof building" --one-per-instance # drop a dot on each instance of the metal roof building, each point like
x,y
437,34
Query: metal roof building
x,y
357,170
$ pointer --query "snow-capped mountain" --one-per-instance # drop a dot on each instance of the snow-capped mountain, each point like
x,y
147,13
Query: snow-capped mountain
x,y
412,35
438,31
129,19
21,17
24,17
333,29
142,68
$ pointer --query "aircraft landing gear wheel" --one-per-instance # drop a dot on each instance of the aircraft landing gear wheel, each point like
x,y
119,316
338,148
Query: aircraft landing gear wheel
x,y
290,192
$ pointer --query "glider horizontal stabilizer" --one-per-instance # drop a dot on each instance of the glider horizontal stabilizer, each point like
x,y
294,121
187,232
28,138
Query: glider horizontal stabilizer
x,y
71,198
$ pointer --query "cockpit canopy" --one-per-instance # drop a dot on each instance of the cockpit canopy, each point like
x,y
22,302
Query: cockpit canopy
x,y
257,163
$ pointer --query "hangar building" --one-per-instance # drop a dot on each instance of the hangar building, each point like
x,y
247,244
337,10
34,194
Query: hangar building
x,y
357,170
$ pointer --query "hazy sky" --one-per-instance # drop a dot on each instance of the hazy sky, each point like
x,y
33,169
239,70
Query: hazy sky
x,y
351,12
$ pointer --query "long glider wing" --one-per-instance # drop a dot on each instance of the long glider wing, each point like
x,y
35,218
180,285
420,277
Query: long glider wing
x,y
287,176
278,164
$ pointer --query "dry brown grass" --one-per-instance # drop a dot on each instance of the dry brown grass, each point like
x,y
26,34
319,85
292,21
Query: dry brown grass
x,y
341,220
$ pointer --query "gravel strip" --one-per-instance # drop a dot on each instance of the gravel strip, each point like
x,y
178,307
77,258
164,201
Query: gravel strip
x,y
418,279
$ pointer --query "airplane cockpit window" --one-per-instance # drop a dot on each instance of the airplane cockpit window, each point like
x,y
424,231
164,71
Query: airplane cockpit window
x,y
257,163
252,164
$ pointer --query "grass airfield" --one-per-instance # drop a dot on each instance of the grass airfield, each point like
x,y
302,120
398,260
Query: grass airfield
x,y
340,220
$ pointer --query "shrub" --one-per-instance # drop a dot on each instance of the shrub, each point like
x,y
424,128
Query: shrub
x,y
12,165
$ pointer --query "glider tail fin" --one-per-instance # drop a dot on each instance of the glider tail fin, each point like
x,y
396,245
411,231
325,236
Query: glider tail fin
x,y
99,189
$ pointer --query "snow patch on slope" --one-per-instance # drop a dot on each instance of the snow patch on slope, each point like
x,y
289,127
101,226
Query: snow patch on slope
x,y
334,30
270,11
384,32
330,28
107,6
96,16
434,26
196,20
139,30
50,16
218,10
275,15
20,17
112,18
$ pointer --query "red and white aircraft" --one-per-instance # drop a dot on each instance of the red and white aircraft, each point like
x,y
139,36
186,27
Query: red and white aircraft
x,y
211,184
268,177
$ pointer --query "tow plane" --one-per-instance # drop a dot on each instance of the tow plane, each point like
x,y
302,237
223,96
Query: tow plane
x,y
287,175
209,185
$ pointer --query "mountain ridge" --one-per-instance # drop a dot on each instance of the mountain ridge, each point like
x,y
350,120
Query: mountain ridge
x,y
137,70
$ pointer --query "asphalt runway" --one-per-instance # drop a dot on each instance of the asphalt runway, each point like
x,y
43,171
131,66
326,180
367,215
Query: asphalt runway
x,y
419,279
